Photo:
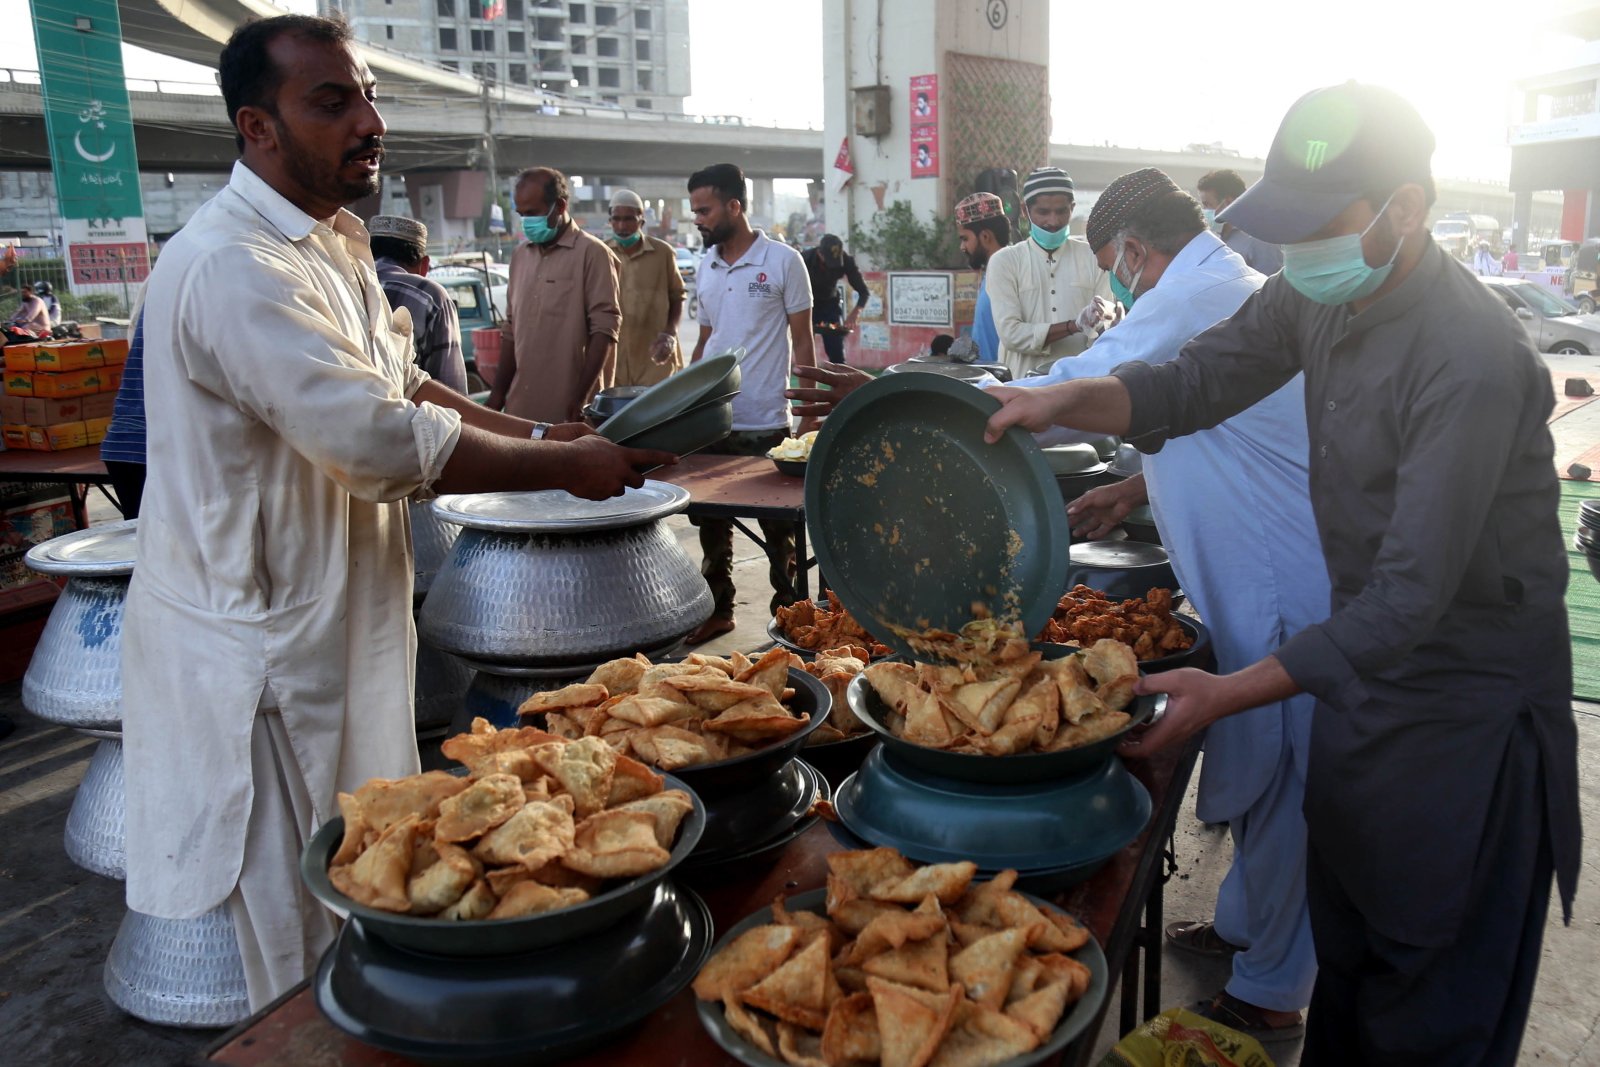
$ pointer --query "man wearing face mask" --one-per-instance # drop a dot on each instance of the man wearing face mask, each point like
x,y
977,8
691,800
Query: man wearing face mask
x,y
1441,789
563,309
651,297
1218,189
1038,286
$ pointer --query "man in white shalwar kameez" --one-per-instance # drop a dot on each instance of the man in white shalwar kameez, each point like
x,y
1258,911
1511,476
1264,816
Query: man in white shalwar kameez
x,y
268,647
1233,506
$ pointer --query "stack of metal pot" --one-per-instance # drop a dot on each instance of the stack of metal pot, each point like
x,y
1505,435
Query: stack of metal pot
x,y
441,679
175,972
539,588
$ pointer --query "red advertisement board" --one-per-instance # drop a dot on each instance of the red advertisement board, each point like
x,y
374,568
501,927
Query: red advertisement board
x,y
109,264
924,126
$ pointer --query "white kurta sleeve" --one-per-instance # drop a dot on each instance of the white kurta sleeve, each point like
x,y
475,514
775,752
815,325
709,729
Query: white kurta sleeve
x,y
261,337
1006,272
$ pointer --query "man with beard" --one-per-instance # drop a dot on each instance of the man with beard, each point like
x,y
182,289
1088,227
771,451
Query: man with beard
x,y
563,308
1040,285
754,294
982,225
268,648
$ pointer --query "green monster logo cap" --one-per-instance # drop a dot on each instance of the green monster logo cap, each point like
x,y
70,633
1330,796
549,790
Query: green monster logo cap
x,y
1335,146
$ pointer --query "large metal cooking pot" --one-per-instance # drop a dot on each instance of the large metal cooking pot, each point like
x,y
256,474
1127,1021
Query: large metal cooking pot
x,y
178,972
431,540
546,579
75,676
441,686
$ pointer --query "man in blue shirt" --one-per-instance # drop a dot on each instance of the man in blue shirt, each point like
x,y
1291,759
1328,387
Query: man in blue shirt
x,y
1233,505
984,229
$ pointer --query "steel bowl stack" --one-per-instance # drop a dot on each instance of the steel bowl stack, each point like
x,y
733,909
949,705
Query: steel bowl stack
x,y
184,972
533,989
1587,539
683,414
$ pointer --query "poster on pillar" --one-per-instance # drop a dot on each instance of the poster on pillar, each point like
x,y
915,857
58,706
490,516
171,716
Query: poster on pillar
x,y
91,140
924,126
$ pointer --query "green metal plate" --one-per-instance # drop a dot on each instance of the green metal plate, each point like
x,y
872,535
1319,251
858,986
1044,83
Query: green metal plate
x,y
687,389
915,519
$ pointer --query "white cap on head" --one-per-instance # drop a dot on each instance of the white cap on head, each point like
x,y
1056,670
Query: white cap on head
x,y
627,198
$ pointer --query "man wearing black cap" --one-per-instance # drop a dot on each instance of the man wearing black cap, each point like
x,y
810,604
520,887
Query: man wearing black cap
x,y
826,265
1038,286
1441,788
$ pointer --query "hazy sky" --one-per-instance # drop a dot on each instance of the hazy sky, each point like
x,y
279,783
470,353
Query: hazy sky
x,y
1161,74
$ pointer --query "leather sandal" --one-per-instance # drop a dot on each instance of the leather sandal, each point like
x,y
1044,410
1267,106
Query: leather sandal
x,y
712,628
1249,1020
1200,939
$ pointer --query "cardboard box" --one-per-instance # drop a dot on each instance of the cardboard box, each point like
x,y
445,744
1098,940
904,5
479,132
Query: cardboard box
x,y
47,411
98,406
114,351
69,356
58,438
20,357
25,525
13,410
95,430
16,437
19,383
69,384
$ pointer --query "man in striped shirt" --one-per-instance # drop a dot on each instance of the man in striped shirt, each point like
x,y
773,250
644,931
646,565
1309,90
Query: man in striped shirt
x,y
400,253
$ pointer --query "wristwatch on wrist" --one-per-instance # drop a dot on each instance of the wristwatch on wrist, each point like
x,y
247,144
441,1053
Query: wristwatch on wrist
x,y
539,430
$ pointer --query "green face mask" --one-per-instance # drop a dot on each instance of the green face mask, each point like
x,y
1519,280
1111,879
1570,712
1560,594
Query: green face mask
x,y
1123,293
628,241
1047,240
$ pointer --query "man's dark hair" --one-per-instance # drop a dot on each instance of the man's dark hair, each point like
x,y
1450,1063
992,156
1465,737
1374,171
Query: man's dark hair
x,y
1166,223
1378,197
726,180
246,72
1000,226
555,184
404,252
940,345
1223,184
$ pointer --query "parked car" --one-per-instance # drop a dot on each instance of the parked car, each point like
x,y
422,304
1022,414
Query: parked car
x,y
687,261
1554,324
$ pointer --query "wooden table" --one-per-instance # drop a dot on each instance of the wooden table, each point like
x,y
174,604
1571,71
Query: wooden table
x,y
1121,905
76,468
746,487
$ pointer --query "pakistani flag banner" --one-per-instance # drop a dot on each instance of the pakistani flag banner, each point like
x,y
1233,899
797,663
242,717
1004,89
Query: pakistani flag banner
x,y
91,139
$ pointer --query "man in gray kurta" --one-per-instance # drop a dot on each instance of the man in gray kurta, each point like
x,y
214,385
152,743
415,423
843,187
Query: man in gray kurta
x,y
1442,781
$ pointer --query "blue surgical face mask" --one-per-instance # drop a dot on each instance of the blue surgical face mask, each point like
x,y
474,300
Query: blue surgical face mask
x,y
538,229
1047,240
1213,223
1124,293
628,241
1334,270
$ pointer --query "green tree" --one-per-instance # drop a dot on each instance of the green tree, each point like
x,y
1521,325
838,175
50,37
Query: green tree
x,y
895,239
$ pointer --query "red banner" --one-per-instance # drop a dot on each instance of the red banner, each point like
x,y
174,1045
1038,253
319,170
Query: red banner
x,y
924,126
108,264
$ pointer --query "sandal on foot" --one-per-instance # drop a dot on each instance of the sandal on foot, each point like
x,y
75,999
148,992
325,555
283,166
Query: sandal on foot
x,y
713,627
1249,1020
1200,939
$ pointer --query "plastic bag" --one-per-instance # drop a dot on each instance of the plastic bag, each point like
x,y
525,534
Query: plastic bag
x,y
1180,1038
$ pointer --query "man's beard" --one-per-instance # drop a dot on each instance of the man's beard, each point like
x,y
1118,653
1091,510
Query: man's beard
x,y
312,174
716,236
978,259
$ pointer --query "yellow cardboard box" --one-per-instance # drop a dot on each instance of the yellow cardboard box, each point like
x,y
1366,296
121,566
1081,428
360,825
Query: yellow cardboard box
x,y
58,438
69,356
19,383
49,411
13,410
16,437
98,406
20,357
71,383
115,351
95,430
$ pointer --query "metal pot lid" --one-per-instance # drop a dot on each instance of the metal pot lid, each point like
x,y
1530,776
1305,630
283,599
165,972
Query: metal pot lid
x,y
1073,459
98,551
557,511
1123,555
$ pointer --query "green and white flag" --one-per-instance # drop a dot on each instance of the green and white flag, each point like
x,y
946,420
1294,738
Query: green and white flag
x,y
91,139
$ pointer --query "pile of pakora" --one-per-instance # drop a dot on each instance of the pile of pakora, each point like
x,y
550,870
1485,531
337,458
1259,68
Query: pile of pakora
x,y
674,715
539,823
1009,701
909,967
1145,624
815,626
